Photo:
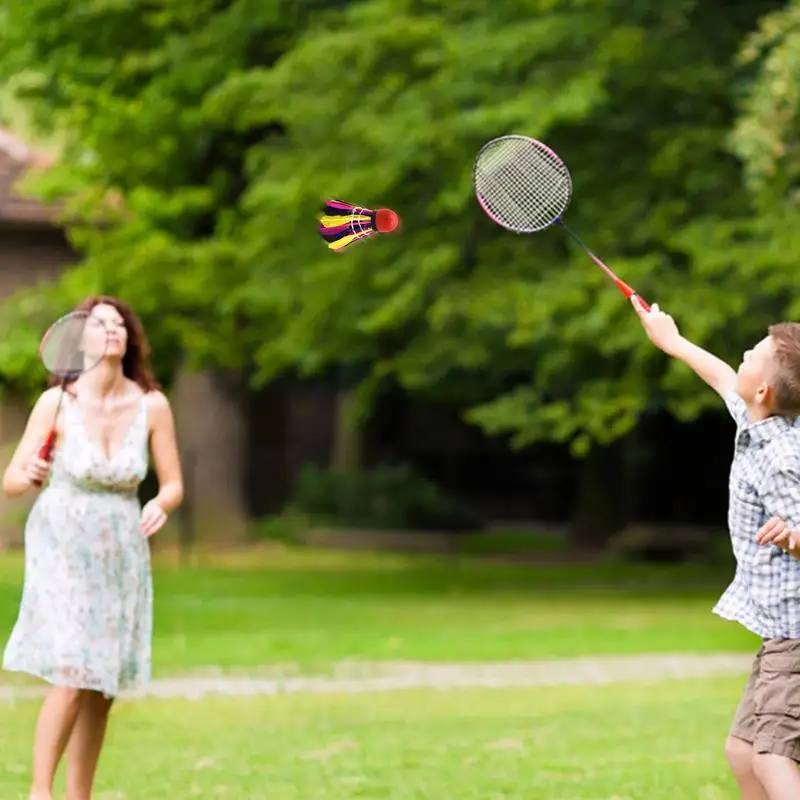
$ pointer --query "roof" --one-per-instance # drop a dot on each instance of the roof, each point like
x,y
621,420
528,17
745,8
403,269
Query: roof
x,y
17,158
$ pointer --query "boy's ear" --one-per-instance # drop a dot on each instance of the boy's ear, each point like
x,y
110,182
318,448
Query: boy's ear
x,y
765,394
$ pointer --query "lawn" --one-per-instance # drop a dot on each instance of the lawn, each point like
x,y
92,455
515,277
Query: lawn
x,y
638,742
310,609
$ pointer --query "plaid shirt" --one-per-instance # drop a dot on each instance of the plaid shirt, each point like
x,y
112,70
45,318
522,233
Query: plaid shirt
x,y
764,596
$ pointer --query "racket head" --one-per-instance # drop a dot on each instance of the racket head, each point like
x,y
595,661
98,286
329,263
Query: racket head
x,y
73,344
521,184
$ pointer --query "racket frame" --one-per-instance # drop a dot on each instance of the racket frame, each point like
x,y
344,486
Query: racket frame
x,y
48,446
623,287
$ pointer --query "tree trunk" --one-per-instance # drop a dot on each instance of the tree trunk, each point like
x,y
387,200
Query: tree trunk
x,y
600,509
211,425
347,448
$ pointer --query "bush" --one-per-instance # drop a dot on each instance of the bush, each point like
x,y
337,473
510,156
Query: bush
x,y
667,543
385,498
287,528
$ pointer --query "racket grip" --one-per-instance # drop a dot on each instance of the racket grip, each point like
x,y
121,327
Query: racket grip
x,y
630,293
46,450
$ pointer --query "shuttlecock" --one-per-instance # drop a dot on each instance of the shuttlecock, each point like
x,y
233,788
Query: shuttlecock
x,y
343,224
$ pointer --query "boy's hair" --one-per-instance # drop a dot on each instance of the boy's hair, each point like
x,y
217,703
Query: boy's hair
x,y
786,380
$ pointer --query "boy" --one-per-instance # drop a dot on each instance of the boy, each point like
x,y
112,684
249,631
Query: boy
x,y
763,397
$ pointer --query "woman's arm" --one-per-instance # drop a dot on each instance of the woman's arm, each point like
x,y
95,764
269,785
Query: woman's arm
x,y
17,478
164,449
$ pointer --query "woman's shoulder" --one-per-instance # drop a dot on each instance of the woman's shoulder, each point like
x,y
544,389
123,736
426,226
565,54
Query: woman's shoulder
x,y
49,398
157,402
46,405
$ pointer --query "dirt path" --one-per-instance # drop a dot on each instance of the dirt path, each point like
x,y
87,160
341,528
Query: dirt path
x,y
359,677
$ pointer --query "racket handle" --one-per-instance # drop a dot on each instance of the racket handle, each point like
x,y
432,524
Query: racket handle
x,y
620,284
46,450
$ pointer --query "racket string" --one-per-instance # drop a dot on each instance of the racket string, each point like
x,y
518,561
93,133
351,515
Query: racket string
x,y
524,186
70,348
530,203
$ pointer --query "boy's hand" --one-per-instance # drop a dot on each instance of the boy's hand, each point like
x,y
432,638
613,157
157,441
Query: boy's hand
x,y
659,327
776,531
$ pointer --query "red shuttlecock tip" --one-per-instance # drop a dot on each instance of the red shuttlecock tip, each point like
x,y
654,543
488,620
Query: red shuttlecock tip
x,y
386,220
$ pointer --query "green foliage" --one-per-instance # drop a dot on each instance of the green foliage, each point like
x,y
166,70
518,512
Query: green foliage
x,y
765,138
203,136
765,135
393,498
287,528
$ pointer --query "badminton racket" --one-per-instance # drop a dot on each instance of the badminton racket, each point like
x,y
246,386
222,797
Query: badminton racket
x,y
71,346
524,187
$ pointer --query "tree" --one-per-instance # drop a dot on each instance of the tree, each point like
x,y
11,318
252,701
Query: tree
x,y
207,134
394,114
765,136
151,180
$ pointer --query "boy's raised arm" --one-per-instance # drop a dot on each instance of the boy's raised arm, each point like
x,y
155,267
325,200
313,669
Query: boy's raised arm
x,y
664,334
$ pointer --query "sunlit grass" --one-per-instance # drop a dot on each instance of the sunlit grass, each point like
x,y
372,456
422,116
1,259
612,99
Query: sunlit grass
x,y
620,742
311,609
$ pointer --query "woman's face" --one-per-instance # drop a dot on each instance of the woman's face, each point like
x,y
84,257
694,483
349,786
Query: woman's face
x,y
105,334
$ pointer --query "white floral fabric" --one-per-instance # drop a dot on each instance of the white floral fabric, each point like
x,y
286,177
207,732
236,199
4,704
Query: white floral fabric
x,y
85,620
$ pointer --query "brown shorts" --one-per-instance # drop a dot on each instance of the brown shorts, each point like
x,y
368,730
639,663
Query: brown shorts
x,y
768,715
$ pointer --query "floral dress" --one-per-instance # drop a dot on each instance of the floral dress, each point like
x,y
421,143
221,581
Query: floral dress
x,y
85,620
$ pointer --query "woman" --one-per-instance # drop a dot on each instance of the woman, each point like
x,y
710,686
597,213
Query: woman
x,y
85,620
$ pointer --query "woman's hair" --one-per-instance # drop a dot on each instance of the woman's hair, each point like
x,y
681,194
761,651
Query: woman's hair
x,y
136,361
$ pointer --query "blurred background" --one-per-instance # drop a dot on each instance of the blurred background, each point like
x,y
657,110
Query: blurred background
x,y
484,403
451,378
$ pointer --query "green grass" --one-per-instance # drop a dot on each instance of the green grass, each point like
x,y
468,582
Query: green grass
x,y
285,606
618,742
311,609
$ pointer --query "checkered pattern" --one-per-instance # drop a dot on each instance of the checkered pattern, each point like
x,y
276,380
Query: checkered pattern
x,y
764,482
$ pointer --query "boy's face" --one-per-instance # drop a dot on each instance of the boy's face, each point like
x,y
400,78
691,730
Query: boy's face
x,y
754,374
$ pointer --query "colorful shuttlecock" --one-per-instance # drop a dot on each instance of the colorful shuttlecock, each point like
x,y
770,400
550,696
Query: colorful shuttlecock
x,y
343,224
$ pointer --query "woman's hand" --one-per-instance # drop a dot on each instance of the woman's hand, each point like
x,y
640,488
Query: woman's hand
x,y
37,471
153,518
25,466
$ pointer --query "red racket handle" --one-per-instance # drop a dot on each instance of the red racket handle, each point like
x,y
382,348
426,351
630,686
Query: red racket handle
x,y
626,290
621,285
46,450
